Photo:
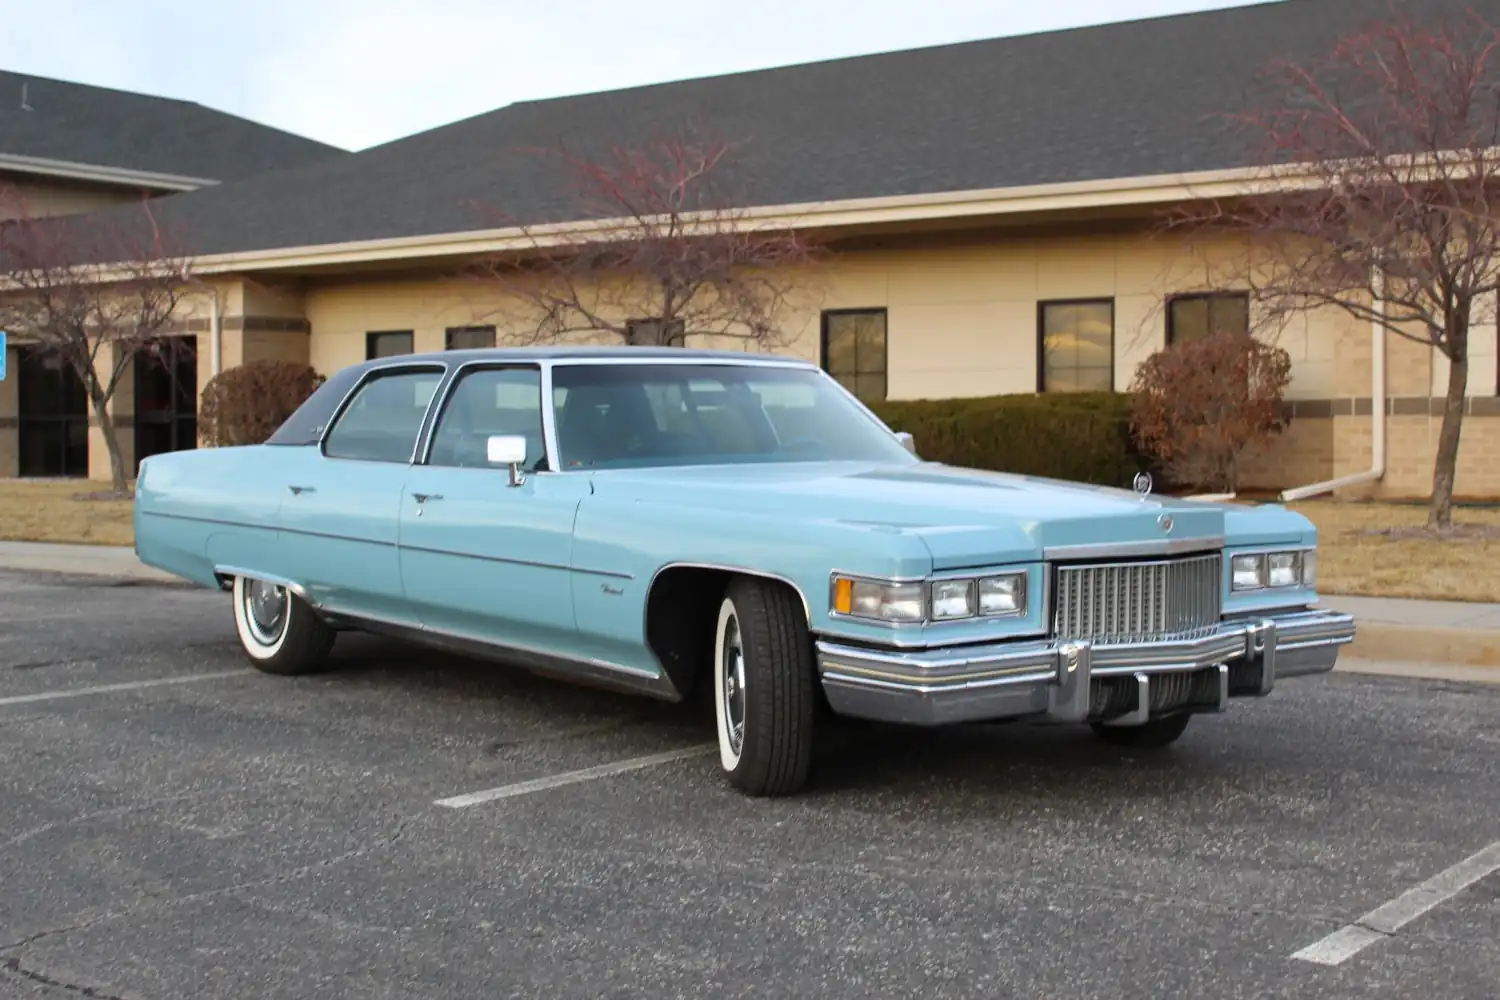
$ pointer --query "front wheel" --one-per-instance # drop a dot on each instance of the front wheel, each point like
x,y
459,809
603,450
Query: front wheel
x,y
278,630
1152,736
764,695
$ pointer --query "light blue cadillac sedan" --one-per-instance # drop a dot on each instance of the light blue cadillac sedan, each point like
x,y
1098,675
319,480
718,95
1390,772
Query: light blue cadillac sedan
x,y
653,520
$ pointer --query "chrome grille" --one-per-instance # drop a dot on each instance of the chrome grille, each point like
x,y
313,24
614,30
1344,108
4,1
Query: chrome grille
x,y
1117,603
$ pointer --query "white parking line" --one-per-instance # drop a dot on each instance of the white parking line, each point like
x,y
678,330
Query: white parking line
x,y
1386,920
23,699
573,777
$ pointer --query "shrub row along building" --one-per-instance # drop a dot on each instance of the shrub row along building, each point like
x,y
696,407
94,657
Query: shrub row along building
x,y
990,212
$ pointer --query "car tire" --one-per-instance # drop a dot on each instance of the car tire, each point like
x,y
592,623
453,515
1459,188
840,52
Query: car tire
x,y
278,630
1152,736
765,699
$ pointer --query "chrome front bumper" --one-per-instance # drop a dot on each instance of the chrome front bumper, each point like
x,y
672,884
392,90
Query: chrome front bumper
x,y
1078,681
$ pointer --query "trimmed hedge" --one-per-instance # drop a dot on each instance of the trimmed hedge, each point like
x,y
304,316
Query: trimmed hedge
x,y
1084,437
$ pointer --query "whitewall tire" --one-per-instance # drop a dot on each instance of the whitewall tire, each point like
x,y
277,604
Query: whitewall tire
x,y
764,694
279,632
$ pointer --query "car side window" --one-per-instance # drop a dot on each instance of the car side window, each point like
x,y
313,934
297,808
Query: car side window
x,y
382,421
485,402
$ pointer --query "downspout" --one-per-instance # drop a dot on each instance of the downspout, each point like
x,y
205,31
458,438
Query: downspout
x,y
215,349
1376,470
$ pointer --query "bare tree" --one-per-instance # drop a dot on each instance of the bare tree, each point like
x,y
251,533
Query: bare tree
x,y
1377,194
93,295
666,250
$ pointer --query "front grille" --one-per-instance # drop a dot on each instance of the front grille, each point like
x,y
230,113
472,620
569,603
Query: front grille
x,y
1119,603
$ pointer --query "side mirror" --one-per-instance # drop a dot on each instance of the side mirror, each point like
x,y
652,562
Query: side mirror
x,y
507,449
907,441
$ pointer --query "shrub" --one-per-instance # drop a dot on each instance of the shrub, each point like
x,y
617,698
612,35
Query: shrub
x,y
245,404
1202,408
1083,437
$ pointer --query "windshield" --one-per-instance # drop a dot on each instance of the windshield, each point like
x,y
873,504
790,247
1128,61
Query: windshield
x,y
634,416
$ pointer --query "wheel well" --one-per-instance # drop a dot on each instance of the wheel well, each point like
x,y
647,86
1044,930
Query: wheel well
x,y
682,610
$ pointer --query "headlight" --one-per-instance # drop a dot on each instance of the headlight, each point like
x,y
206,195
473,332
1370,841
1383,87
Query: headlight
x,y
952,599
1274,570
1002,595
1282,569
880,601
1249,572
947,600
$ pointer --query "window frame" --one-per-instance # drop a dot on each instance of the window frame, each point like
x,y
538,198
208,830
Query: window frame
x,y
373,375
442,398
1041,336
371,336
885,370
470,328
1171,333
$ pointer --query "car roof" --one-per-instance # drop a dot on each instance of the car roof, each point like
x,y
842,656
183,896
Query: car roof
x,y
604,355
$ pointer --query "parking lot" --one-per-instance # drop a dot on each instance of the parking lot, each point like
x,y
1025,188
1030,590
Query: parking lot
x,y
176,824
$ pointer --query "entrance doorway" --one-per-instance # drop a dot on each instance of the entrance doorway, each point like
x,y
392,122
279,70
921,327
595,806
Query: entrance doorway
x,y
53,415
166,397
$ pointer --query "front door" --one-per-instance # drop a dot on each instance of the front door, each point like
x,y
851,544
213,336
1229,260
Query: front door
x,y
340,517
166,396
482,558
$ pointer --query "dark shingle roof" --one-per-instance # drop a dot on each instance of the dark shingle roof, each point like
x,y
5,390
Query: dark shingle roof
x,y
74,123
1117,100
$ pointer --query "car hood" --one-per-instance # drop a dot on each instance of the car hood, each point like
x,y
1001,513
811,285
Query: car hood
x,y
966,517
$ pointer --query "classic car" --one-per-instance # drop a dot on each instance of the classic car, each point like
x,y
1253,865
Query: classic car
x,y
670,521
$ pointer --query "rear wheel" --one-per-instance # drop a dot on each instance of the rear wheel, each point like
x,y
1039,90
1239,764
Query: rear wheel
x,y
764,694
278,630
1153,735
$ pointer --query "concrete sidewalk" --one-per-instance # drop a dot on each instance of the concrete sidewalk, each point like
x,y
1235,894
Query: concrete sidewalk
x,y
1455,633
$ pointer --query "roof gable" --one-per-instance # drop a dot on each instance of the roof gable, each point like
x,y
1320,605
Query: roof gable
x,y
45,119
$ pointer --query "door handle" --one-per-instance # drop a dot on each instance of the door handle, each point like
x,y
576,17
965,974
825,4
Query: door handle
x,y
424,497
299,490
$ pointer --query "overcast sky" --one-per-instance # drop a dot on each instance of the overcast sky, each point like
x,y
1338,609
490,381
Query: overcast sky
x,y
360,72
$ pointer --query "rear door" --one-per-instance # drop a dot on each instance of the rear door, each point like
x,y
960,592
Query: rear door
x,y
341,514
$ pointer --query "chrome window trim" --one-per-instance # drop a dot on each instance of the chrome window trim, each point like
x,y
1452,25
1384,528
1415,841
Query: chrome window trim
x,y
549,450
368,376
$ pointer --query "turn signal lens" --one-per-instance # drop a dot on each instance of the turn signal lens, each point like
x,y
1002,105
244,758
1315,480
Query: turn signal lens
x,y
881,601
843,596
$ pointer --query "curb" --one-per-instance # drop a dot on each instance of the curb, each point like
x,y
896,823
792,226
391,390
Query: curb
x,y
1384,642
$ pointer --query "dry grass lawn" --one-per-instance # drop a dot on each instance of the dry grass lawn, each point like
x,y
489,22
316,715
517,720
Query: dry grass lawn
x,y
34,510
1351,561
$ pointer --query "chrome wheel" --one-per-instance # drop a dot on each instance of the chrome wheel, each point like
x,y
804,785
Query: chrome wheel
x,y
733,669
266,606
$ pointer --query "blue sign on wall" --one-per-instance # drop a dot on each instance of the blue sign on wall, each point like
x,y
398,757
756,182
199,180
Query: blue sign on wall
x,y
2,355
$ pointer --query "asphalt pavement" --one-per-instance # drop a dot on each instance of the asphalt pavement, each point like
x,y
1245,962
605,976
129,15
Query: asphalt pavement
x,y
176,824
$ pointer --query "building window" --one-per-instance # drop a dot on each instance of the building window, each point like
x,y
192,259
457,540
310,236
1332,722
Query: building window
x,y
1193,317
854,351
1077,349
387,343
655,333
469,338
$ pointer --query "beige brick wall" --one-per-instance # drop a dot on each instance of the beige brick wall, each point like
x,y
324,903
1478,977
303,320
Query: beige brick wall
x,y
1304,453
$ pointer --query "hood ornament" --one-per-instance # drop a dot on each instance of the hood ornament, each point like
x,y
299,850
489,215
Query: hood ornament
x,y
1143,483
